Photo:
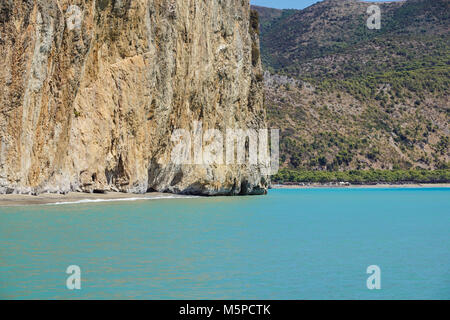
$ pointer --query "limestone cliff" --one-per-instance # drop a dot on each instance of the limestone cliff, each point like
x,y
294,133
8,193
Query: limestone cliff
x,y
91,91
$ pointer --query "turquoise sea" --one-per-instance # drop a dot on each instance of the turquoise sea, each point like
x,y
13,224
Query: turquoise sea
x,y
290,244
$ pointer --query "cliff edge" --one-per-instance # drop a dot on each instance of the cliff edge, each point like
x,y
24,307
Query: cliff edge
x,y
92,91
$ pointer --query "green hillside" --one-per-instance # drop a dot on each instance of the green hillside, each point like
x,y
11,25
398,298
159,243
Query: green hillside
x,y
349,98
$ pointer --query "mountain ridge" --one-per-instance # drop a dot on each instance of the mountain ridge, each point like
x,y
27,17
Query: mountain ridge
x,y
348,98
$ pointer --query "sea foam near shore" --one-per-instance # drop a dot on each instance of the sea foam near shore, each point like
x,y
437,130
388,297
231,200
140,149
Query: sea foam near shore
x,y
80,198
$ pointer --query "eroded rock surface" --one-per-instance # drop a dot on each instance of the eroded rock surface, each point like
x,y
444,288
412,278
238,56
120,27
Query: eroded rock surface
x,y
91,91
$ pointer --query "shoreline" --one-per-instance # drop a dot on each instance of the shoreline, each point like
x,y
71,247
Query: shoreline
x,y
359,186
10,200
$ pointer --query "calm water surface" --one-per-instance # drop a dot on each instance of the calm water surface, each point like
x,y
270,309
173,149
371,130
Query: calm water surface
x,y
291,244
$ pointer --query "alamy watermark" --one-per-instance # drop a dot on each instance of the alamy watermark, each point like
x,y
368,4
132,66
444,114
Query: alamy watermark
x,y
374,21
73,282
213,147
74,17
232,147
374,280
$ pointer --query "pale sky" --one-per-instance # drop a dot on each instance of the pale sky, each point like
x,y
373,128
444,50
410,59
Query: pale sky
x,y
289,4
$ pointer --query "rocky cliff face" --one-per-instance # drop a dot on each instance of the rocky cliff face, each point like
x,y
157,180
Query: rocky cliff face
x,y
91,91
